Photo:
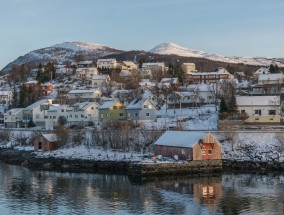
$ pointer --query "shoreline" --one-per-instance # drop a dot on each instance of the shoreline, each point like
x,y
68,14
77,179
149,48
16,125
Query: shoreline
x,y
134,168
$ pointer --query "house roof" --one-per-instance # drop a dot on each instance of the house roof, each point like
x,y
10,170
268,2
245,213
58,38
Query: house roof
x,y
5,93
121,92
38,103
84,105
82,91
256,100
152,64
100,77
14,111
169,80
106,60
270,77
108,104
137,103
50,137
129,63
55,108
125,73
180,138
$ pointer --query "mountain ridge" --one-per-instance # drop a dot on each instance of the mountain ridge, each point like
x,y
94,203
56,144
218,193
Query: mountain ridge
x,y
67,51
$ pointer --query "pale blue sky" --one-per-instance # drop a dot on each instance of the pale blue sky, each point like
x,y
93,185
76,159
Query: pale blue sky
x,y
227,27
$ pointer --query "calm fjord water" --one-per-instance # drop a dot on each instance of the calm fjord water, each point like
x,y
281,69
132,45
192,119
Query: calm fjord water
x,y
39,192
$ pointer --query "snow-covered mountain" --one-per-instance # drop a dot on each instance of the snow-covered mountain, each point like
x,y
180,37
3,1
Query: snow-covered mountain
x,y
64,52
174,49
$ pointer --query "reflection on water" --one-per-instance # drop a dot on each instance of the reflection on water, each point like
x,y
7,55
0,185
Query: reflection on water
x,y
38,192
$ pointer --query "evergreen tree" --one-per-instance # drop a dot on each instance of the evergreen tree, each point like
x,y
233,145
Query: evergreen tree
x,y
39,75
15,101
273,69
232,105
223,106
23,96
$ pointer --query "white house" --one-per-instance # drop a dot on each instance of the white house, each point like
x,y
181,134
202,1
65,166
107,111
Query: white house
x,y
53,115
260,109
91,94
107,63
5,100
188,68
159,66
86,72
100,80
36,112
261,71
14,118
85,113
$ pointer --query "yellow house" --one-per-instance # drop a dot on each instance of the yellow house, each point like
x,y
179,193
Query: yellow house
x,y
128,65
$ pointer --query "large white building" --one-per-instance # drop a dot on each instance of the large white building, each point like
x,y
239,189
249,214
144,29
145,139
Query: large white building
x,y
107,63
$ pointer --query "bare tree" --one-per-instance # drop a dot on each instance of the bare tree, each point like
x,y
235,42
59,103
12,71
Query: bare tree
x,y
248,149
62,134
228,131
213,92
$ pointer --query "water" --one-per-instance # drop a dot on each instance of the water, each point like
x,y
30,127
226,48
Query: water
x,y
39,192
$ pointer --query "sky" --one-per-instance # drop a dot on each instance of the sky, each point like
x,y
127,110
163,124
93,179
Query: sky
x,y
226,27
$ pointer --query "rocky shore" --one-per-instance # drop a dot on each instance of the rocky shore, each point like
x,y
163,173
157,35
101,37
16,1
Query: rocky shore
x,y
29,160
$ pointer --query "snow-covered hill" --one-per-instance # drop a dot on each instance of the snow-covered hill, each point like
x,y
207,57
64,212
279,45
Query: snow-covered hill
x,y
174,49
64,52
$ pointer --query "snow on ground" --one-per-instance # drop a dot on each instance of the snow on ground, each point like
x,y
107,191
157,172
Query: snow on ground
x,y
203,118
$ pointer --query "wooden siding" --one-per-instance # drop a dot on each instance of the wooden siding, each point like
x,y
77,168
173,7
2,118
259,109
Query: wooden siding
x,y
169,151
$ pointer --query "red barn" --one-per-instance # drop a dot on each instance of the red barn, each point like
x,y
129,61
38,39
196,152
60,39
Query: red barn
x,y
188,145
46,142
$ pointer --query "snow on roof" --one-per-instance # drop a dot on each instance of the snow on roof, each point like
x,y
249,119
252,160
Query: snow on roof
x,y
50,137
201,87
87,69
211,73
108,104
270,77
153,64
31,82
82,91
184,93
180,138
14,111
85,62
100,77
84,105
55,108
38,103
256,100
5,93
169,80
128,63
106,60
121,92
125,73
262,70
136,103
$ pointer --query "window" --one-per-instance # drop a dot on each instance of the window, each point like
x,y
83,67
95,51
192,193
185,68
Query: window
x,y
243,111
76,116
203,152
114,107
121,114
62,110
136,114
46,117
102,115
145,106
272,112
54,117
183,151
147,114
258,112
210,152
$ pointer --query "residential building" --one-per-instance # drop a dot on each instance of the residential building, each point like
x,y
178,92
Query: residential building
x,y
128,65
107,63
100,80
141,110
207,77
189,145
112,111
188,68
13,118
260,109
154,67
83,114
85,95
86,72
169,82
